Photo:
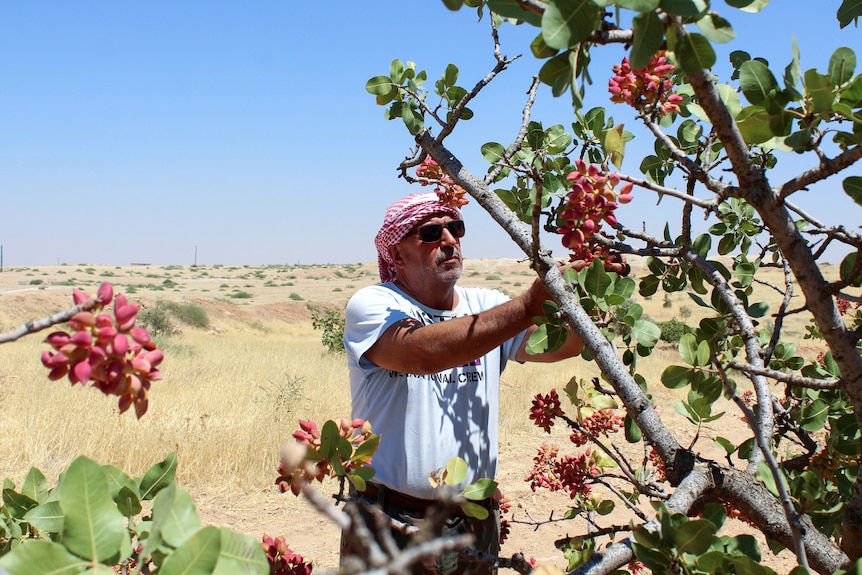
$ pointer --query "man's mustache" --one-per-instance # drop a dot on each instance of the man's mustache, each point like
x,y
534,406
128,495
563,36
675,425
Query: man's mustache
x,y
447,253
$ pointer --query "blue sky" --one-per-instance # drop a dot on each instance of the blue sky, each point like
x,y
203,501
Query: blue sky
x,y
144,131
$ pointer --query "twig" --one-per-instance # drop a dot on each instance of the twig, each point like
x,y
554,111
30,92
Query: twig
x,y
763,442
34,326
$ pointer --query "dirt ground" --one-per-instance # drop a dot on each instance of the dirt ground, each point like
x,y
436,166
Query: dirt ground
x,y
288,294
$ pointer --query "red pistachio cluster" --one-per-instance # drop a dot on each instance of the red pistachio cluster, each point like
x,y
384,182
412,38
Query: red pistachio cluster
x,y
658,464
591,201
119,358
600,423
648,88
447,190
572,474
545,408
295,467
505,506
283,561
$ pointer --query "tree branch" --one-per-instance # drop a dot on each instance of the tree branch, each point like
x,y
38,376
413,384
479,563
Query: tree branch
x,y
37,325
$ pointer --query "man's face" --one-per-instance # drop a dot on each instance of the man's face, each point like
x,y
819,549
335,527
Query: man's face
x,y
429,256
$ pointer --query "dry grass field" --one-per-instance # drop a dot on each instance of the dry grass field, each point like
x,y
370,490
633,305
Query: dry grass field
x,y
234,389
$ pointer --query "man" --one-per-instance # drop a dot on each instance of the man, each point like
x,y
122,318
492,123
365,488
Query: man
x,y
425,357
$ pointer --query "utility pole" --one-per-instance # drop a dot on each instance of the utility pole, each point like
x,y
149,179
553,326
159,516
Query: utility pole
x,y
196,257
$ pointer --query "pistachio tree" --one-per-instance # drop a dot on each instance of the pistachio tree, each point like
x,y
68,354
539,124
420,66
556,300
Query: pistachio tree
x,y
716,145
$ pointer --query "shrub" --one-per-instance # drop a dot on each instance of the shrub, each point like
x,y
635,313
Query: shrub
x,y
331,322
671,330
157,321
190,314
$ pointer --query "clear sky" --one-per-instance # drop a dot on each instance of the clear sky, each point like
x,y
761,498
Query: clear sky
x,y
241,132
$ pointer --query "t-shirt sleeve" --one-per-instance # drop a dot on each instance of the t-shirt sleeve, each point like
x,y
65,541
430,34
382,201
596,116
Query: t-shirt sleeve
x,y
490,298
370,312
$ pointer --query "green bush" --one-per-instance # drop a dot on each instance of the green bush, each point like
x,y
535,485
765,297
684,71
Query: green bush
x,y
159,319
671,330
190,314
331,322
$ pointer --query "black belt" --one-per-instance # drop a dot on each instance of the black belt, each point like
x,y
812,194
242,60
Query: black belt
x,y
385,496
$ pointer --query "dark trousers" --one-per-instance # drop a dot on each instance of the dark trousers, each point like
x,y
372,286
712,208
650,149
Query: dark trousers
x,y
411,511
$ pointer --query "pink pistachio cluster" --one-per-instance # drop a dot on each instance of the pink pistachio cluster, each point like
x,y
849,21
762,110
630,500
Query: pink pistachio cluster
x,y
283,561
545,408
600,423
592,200
572,474
119,358
645,88
294,472
447,190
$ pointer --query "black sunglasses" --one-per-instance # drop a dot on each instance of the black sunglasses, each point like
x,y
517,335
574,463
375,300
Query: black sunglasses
x,y
430,233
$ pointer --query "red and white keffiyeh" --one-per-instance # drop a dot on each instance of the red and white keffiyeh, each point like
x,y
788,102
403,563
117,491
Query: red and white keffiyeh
x,y
400,219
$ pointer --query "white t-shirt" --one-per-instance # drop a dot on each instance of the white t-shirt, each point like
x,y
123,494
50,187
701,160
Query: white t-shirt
x,y
424,420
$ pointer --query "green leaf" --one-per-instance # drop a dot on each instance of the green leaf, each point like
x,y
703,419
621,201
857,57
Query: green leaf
x,y
557,139
702,244
846,268
514,9
93,527
36,486
813,416
694,537
684,8
633,431
240,554
716,28
728,446
566,24
756,81
158,477
38,557
753,124
366,449
117,479
853,187
17,504
538,341
850,10
471,509
597,279
764,474
695,53
197,556
647,38
182,521
688,348
819,91
748,5
412,120
380,86
638,5
646,333
127,501
481,490
47,517
456,471
676,376
842,64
